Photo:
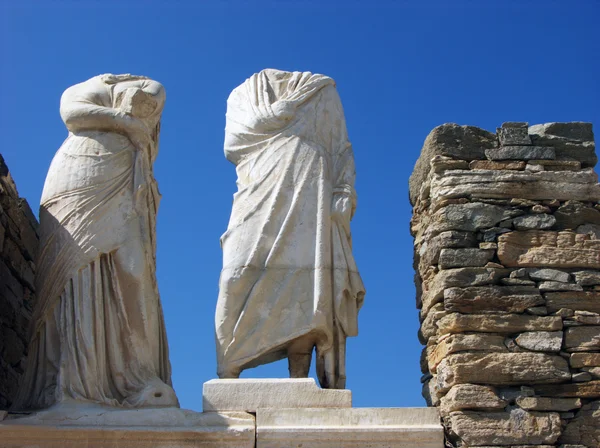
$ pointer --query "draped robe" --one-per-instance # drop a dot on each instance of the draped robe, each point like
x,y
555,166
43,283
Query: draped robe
x,y
98,332
288,269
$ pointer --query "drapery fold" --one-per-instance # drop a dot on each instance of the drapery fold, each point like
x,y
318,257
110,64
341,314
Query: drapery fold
x,y
98,332
288,269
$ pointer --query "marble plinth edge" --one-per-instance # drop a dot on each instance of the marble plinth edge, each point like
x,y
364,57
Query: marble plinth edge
x,y
139,428
349,428
250,394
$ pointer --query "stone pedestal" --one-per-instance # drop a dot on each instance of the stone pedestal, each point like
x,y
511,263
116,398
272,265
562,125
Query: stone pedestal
x,y
102,427
287,413
349,428
250,394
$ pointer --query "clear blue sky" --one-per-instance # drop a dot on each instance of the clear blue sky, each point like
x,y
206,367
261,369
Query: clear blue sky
x,y
401,68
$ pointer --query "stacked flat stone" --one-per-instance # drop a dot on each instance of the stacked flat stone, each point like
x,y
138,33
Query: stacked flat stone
x,y
18,245
507,254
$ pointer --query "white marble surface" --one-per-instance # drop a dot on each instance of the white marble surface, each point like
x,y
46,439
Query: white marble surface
x,y
253,393
98,331
69,425
289,282
349,428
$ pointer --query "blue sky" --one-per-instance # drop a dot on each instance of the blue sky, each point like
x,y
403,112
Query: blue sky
x,y
401,68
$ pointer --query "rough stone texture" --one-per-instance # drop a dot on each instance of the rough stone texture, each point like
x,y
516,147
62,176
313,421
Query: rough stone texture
x,y
453,343
548,404
585,427
462,258
470,396
521,153
501,369
541,341
433,287
548,274
430,251
565,185
513,133
573,140
18,246
576,300
510,299
505,428
573,214
590,389
536,221
511,343
587,278
578,360
582,339
495,165
537,248
488,323
460,142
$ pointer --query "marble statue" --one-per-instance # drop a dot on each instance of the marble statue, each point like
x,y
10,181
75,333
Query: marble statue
x,y
98,333
289,282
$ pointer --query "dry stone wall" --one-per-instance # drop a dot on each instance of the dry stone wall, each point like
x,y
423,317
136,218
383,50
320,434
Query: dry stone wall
x,y
18,245
507,261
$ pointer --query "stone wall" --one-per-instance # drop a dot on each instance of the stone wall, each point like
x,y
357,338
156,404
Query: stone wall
x,y
18,245
507,260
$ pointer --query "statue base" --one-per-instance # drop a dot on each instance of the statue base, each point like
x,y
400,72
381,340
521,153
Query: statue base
x,y
285,413
250,394
76,425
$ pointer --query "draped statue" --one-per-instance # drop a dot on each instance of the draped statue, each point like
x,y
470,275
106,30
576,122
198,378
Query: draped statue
x,y
289,282
98,333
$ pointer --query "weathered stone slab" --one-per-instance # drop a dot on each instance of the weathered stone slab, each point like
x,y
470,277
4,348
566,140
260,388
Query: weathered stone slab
x,y
549,274
459,142
579,360
513,133
567,147
470,217
428,327
503,428
493,323
587,278
558,165
433,288
441,163
250,394
510,299
573,214
501,369
562,185
100,427
534,221
537,248
454,343
497,165
591,389
429,251
548,404
559,286
585,427
348,428
521,153
470,396
467,257
585,338
576,300
541,341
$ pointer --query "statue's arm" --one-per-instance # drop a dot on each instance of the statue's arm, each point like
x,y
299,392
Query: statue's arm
x,y
342,155
86,106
